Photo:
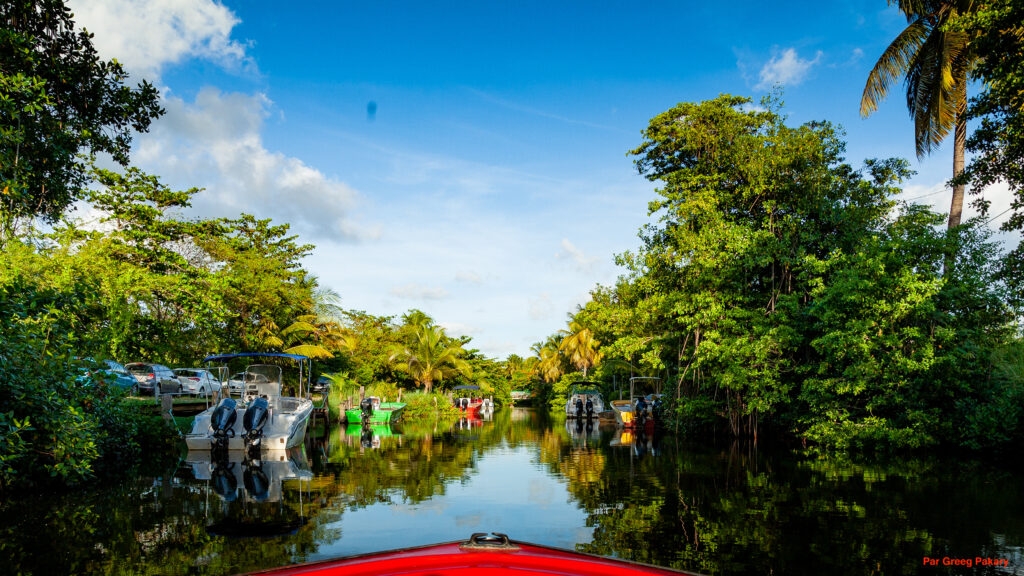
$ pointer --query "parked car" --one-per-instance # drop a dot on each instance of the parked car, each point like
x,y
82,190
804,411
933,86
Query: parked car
x,y
114,374
236,384
153,378
197,381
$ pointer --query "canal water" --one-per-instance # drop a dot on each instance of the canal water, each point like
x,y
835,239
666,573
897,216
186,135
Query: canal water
x,y
711,509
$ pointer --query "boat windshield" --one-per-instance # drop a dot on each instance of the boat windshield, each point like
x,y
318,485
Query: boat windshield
x,y
263,380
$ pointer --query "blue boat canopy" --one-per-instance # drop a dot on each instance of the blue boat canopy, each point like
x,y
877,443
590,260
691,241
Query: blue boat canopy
x,y
252,354
467,387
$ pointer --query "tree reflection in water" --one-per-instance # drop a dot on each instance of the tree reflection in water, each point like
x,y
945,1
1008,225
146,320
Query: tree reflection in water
x,y
731,510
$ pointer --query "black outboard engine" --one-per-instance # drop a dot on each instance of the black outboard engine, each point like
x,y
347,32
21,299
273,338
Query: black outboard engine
x,y
254,420
223,422
641,411
658,411
579,408
590,408
365,410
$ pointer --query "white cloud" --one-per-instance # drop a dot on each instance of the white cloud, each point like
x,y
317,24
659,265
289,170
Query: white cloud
x,y
571,252
146,35
215,143
413,291
785,67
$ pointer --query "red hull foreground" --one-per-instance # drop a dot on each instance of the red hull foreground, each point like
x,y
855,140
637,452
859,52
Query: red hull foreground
x,y
480,555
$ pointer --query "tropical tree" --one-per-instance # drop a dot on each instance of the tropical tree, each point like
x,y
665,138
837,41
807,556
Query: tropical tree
x,y
59,103
580,347
549,359
430,357
934,60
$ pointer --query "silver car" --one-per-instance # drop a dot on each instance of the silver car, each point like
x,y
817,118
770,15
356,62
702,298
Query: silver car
x,y
197,381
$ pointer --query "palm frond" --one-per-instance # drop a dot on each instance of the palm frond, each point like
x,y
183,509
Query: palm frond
x,y
893,64
310,350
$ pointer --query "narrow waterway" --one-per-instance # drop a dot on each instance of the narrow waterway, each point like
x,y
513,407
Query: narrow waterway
x,y
716,510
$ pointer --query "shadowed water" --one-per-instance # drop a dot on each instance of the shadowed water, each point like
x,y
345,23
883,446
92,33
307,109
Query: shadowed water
x,y
716,510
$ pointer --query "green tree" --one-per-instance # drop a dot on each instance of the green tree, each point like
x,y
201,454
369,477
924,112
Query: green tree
x,y
430,357
580,347
934,61
997,143
58,99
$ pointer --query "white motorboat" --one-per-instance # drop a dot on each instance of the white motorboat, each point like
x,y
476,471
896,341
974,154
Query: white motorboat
x,y
584,401
262,418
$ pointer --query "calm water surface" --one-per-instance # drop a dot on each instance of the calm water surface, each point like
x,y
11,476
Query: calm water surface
x,y
721,510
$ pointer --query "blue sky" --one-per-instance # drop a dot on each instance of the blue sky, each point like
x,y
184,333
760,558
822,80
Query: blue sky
x,y
469,158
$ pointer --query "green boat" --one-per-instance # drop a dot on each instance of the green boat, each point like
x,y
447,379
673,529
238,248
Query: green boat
x,y
383,412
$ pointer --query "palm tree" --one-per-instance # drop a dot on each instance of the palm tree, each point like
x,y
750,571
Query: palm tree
x,y
431,357
313,336
934,64
549,360
580,347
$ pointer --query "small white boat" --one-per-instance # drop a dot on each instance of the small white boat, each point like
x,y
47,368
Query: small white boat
x,y
584,401
262,419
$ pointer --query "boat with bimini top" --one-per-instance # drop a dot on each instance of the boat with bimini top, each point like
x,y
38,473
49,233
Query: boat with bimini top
x,y
584,401
262,419
639,410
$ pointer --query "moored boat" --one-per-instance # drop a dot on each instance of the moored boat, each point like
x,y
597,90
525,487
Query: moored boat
x,y
468,404
481,554
262,418
584,401
380,412
638,411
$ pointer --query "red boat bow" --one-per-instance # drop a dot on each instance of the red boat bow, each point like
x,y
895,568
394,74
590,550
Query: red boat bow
x,y
481,554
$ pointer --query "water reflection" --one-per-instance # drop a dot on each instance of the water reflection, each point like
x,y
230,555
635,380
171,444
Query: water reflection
x,y
718,510
251,491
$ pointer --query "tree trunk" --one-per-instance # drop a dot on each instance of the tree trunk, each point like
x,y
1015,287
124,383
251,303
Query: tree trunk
x,y
956,208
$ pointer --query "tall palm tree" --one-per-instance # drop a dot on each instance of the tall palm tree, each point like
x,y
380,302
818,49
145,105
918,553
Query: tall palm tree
x,y
430,357
580,347
934,64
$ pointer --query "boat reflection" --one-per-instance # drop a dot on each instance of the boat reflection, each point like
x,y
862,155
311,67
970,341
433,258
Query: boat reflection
x,y
583,431
639,440
252,490
370,437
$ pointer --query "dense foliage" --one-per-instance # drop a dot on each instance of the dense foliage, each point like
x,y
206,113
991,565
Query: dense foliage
x,y
779,287
58,99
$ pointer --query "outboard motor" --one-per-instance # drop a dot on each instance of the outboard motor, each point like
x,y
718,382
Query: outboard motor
x,y
590,408
658,411
579,408
641,411
254,420
366,437
223,422
365,410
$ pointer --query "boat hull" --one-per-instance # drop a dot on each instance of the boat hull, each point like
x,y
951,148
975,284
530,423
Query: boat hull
x,y
463,558
284,429
387,413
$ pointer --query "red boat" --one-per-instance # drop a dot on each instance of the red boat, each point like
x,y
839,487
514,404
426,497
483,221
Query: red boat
x,y
468,404
481,554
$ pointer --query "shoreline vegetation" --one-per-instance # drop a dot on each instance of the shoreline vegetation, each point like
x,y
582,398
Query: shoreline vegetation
x,y
778,291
